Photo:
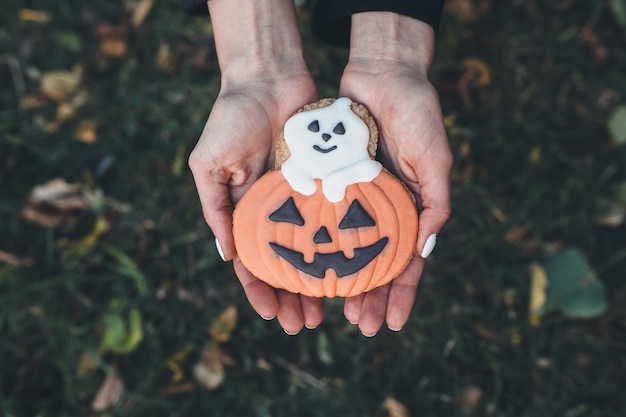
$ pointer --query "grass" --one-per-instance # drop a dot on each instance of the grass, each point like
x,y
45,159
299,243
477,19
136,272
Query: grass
x,y
533,158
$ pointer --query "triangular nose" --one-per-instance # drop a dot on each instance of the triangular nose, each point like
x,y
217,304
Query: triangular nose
x,y
322,236
326,137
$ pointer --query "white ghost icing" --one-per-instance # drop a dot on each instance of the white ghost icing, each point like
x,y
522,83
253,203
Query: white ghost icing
x,y
333,150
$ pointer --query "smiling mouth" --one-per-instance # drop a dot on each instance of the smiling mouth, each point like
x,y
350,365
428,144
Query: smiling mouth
x,y
338,261
322,150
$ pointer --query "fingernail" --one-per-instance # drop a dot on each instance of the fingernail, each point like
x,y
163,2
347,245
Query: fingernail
x,y
267,318
219,250
429,246
393,329
310,327
369,335
290,333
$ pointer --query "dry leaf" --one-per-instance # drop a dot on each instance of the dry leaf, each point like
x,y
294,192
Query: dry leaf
x,y
14,260
86,131
175,364
141,11
59,85
395,408
469,399
210,370
37,16
479,71
223,325
100,227
54,203
538,285
86,364
113,46
109,393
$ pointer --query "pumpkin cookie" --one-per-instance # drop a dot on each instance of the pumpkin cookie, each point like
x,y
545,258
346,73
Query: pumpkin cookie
x,y
329,220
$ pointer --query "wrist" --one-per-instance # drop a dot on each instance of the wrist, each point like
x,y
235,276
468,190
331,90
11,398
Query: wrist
x,y
256,38
384,40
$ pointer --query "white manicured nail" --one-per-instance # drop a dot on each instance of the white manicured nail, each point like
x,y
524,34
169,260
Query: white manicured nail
x,y
429,246
267,318
219,249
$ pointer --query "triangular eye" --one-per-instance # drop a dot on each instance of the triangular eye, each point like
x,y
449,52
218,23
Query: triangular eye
x,y
356,216
287,213
314,126
339,129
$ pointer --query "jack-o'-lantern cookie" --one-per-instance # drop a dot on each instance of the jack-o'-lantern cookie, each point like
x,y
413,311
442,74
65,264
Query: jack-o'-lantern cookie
x,y
329,220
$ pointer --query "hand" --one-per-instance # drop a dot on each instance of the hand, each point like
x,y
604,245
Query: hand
x,y
389,76
261,87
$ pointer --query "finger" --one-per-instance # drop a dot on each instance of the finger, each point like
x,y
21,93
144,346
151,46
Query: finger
x,y
290,314
434,198
352,308
402,294
216,205
373,310
261,296
312,311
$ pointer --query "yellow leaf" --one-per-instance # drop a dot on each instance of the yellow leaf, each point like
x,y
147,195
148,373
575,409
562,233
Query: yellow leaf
x,y
175,364
141,11
37,16
59,85
100,227
479,71
179,160
395,408
109,393
538,285
223,325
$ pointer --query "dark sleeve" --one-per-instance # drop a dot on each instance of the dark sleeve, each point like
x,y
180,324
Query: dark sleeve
x,y
331,18
195,6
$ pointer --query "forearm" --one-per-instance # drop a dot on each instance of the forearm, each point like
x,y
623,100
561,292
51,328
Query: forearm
x,y
388,38
256,36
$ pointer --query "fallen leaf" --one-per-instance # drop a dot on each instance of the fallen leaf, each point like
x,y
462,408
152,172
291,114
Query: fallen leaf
x,y
469,399
616,123
59,85
37,16
14,260
478,71
395,408
109,393
141,11
113,46
573,286
86,131
88,242
223,325
618,9
175,364
538,284
467,10
121,333
210,370
86,364
610,213
54,203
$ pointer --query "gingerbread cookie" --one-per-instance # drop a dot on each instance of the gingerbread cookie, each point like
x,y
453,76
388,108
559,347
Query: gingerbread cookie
x,y
329,221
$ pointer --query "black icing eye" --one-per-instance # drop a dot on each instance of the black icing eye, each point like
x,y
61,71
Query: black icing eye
x,y
314,126
287,213
339,129
356,216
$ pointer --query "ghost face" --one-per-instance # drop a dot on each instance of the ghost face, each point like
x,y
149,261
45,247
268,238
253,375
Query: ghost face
x,y
326,139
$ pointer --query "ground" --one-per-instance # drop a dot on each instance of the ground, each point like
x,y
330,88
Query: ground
x,y
113,300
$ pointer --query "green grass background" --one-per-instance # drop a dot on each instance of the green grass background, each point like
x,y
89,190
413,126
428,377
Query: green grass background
x,y
533,158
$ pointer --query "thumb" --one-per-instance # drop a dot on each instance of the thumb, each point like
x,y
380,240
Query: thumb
x,y
217,209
